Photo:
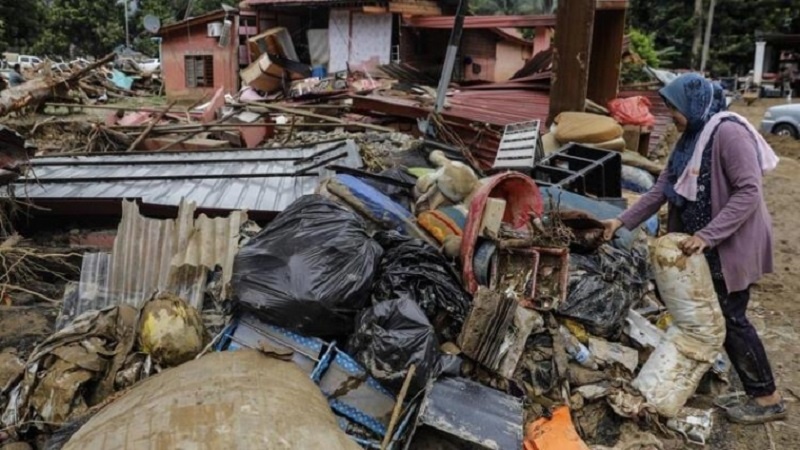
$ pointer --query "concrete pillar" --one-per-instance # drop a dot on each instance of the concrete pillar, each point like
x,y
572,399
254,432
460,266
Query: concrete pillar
x,y
758,66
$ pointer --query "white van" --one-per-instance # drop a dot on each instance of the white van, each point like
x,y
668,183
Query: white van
x,y
27,61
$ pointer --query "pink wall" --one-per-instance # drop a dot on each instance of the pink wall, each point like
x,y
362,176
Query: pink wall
x,y
541,39
193,40
511,56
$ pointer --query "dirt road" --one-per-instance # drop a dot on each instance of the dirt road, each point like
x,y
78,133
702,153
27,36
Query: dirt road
x,y
775,305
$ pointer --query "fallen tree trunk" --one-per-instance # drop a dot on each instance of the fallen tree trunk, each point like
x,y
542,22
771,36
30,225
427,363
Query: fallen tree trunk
x,y
40,90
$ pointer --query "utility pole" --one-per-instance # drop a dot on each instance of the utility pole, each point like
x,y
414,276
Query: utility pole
x,y
697,42
127,31
707,42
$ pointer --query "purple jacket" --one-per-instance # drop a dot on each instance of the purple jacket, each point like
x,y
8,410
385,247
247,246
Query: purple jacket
x,y
741,227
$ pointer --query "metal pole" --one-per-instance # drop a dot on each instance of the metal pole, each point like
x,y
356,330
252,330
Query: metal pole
x,y
450,58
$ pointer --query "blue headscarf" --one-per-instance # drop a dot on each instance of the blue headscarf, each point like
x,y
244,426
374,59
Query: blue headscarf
x,y
697,99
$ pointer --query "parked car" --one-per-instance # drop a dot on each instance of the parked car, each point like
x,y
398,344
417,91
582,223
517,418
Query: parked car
x,y
783,120
28,62
150,65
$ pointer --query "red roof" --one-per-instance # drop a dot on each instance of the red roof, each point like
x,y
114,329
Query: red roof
x,y
479,115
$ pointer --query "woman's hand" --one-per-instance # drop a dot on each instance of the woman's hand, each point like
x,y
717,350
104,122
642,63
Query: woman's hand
x,y
693,245
610,227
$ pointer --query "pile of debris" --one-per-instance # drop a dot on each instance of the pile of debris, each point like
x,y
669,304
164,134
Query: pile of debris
x,y
76,83
331,241
403,279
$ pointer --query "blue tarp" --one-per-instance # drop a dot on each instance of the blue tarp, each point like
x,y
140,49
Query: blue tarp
x,y
121,80
376,204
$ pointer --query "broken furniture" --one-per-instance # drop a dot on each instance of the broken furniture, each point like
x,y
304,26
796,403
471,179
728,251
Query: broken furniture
x,y
520,147
523,203
450,408
496,331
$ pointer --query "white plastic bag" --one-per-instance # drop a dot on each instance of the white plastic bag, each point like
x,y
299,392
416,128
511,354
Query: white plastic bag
x,y
670,377
687,290
672,373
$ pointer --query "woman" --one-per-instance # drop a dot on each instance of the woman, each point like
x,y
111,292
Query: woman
x,y
713,186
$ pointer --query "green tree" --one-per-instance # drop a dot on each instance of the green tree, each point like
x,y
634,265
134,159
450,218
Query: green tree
x,y
142,40
21,23
200,6
643,45
93,27
511,7
733,34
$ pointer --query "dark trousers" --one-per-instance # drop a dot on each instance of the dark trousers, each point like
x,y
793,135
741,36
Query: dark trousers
x,y
742,343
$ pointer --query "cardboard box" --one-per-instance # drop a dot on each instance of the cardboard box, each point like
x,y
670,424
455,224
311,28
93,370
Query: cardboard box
x,y
275,41
263,75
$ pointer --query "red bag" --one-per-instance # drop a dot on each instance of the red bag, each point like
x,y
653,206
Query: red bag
x,y
632,111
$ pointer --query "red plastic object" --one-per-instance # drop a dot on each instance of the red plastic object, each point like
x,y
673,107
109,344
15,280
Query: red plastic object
x,y
523,200
632,111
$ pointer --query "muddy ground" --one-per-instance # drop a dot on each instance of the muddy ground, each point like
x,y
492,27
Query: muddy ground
x,y
775,305
774,309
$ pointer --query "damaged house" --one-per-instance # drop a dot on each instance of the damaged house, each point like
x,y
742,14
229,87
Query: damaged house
x,y
204,53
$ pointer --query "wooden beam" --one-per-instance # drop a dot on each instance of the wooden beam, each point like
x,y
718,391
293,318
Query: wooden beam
x,y
415,8
571,56
604,67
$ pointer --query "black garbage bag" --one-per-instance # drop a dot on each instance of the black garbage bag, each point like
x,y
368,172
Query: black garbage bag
x,y
390,337
412,268
310,270
603,286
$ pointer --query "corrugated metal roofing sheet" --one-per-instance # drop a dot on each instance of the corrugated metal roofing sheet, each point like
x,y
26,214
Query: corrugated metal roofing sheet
x,y
264,180
497,108
150,255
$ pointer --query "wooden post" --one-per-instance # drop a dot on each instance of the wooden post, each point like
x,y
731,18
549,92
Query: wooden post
x,y
604,67
571,54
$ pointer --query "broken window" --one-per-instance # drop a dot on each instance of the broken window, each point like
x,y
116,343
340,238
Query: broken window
x,y
199,71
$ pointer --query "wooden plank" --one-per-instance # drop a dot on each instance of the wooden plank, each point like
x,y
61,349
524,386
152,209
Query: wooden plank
x,y
604,67
571,55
